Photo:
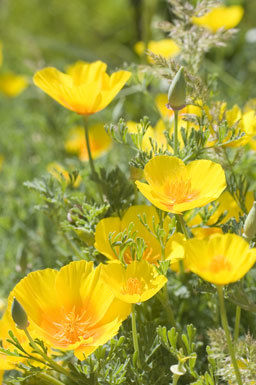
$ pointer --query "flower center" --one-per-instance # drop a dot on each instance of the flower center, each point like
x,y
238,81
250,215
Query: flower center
x,y
71,328
133,286
179,191
219,263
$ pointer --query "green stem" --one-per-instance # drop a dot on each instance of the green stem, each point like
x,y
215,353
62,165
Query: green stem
x,y
226,329
53,364
183,226
237,324
166,304
49,379
135,335
175,133
87,142
175,379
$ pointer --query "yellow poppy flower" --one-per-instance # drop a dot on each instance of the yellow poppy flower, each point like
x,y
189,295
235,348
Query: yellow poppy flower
x,y
244,123
220,259
165,47
12,85
115,225
57,171
87,88
1,376
175,188
135,283
70,309
156,133
220,17
100,142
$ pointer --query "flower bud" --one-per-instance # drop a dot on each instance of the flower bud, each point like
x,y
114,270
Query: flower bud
x,y
250,223
19,315
177,91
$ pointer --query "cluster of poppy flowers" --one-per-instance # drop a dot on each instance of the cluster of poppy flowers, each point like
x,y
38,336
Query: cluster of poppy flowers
x,y
81,306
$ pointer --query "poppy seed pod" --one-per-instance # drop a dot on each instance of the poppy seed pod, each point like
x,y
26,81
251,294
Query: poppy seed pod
x,y
177,91
19,315
250,223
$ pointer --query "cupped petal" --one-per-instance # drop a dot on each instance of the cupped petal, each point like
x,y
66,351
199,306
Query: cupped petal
x,y
163,169
82,72
36,293
175,251
104,228
152,196
68,283
134,215
100,336
207,177
98,299
111,87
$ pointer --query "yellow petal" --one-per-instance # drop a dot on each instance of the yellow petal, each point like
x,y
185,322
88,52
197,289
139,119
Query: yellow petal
x,y
68,282
102,233
12,85
221,17
165,47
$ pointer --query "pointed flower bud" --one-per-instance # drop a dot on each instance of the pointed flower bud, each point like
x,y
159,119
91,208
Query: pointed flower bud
x,y
19,315
177,91
250,223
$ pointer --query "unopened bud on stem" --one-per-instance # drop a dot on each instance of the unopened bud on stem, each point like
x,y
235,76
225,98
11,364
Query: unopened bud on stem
x,y
19,315
177,91
250,223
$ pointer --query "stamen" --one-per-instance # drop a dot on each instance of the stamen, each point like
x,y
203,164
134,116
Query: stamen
x,y
72,328
133,286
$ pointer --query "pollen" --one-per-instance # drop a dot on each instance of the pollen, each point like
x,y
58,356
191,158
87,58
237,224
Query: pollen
x,y
219,263
72,328
133,286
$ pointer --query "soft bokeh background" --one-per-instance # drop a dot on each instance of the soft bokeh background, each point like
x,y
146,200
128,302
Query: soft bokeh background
x,y
57,33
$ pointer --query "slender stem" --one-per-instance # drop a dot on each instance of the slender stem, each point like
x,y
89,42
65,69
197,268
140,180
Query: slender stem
x,y
49,379
175,379
237,324
166,304
87,142
184,229
135,335
175,133
183,225
53,364
226,329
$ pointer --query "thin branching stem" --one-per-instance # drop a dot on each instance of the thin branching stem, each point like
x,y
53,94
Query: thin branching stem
x,y
52,363
135,336
228,337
